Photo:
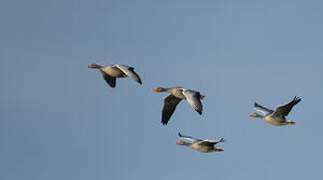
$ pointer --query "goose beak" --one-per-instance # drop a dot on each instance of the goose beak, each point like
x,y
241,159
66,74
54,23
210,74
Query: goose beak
x,y
178,143
252,114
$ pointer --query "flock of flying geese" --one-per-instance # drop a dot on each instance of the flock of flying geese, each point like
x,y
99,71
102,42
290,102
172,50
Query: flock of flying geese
x,y
275,117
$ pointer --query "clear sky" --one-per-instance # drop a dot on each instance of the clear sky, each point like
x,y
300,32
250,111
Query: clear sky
x,y
60,120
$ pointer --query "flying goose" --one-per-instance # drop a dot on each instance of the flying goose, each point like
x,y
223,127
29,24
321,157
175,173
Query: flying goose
x,y
204,146
175,96
111,72
276,117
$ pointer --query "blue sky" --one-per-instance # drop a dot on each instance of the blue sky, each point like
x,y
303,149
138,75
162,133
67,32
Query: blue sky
x,y
60,120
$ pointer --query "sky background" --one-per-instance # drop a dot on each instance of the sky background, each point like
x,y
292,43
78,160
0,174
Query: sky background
x,y
60,120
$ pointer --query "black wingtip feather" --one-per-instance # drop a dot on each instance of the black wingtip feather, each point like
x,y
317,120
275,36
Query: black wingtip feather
x,y
297,99
222,140
200,112
164,122
139,80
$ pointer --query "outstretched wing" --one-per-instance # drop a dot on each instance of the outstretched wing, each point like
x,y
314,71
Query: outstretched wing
x,y
285,109
194,99
170,103
129,71
262,109
211,142
188,138
109,79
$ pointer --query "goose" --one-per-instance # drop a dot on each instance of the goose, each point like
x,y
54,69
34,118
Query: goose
x,y
276,117
175,96
111,72
204,146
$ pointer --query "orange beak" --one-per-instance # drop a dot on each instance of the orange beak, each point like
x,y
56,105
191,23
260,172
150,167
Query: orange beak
x,y
155,89
252,114
178,143
89,66
291,122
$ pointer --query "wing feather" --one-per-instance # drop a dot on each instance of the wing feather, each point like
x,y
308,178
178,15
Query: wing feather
x,y
211,142
262,109
194,99
129,71
109,79
285,109
170,103
189,138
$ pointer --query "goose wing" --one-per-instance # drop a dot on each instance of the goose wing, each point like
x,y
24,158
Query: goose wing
x,y
206,143
209,142
285,109
170,103
262,109
129,71
109,79
194,99
189,138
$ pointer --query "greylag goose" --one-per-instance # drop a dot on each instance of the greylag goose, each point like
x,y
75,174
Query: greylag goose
x,y
204,146
175,96
276,117
111,72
